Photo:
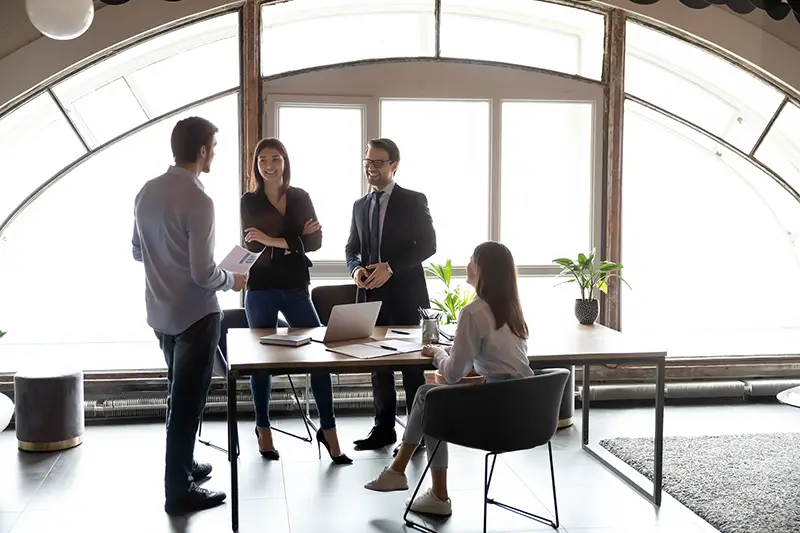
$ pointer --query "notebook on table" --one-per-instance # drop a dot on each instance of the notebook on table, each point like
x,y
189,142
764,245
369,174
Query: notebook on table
x,y
285,340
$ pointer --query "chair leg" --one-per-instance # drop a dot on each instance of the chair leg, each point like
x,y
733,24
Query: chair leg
x,y
526,514
306,421
411,523
211,444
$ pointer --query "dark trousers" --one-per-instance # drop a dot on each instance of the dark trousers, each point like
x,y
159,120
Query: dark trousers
x,y
190,360
384,394
262,307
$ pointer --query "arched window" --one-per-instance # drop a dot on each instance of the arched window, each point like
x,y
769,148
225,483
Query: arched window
x,y
66,257
708,233
502,133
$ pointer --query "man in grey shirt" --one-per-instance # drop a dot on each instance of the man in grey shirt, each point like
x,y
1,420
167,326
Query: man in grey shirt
x,y
173,237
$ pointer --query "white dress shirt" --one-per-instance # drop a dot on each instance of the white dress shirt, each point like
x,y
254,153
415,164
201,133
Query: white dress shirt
x,y
496,354
383,201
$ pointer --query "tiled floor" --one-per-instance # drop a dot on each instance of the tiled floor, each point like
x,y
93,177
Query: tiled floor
x,y
113,482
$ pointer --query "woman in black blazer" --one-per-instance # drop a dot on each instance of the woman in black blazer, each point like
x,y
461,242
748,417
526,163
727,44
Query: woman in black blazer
x,y
280,220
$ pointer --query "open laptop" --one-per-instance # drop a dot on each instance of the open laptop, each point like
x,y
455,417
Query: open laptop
x,y
349,322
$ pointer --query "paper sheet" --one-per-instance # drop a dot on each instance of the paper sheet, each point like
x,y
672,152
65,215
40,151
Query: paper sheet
x,y
398,345
239,260
401,334
369,350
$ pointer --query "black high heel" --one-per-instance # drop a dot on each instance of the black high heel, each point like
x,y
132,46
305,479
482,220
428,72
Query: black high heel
x,y
340,459
272,455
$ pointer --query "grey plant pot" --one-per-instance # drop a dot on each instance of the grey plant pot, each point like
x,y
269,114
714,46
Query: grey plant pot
x,y
586,311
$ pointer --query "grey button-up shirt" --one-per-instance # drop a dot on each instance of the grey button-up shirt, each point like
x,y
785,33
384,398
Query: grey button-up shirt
x,y
173,235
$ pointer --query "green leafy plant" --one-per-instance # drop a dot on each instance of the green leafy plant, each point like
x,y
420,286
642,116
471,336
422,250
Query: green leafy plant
x,y
2,333
587,275
453,299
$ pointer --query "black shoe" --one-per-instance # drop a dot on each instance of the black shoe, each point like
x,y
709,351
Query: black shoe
x,y
196,499
271,455
200,471
339,459
379,437
418,449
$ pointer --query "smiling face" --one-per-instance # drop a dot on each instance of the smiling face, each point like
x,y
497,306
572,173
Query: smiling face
x,y
379,169
270,165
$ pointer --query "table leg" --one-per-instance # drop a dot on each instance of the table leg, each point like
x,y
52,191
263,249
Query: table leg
x,y
610,461
585,406
233,445
658,443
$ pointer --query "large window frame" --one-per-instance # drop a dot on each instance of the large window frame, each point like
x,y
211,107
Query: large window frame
x,y
334,270
538,87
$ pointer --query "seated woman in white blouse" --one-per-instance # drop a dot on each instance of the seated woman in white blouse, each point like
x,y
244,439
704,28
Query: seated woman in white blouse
x,y
491,338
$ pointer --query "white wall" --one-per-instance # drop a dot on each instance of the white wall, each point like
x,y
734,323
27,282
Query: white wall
x,y
31,65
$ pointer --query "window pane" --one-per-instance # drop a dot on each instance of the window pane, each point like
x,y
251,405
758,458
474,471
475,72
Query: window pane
x,y
106,303
163,73
780,150
546,179
37,143
93,110
544,300
701,232
444,148
325,146
218,59
698,85
524,32
346,30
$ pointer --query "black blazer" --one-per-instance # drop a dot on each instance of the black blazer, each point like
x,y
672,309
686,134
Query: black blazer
x,y
408,239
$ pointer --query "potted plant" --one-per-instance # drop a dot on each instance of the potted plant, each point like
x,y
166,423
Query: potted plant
x,y
453,299
590,278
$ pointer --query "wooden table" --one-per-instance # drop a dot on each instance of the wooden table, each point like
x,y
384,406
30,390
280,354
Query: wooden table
x,y
549,346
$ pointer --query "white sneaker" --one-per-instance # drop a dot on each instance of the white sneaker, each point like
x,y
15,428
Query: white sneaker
x,y
428,503
388,481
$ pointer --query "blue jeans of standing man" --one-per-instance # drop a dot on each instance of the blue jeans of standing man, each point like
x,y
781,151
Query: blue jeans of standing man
x,y
190,358
262,307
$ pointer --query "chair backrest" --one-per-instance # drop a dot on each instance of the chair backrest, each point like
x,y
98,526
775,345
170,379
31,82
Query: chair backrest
x,y
504,416
236,319
326,297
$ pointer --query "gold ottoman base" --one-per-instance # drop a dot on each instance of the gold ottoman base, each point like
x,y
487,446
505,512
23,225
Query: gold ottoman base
x,y
49,446
565,423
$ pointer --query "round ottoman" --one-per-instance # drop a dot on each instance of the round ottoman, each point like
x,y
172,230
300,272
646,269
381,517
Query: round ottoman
x,y
6,411
48,410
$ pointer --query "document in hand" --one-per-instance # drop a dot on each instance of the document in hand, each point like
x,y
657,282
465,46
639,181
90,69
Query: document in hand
x,y
371,350
239,260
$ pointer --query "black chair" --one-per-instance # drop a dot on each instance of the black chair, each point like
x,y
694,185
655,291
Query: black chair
x,y
499,417
326,297
237,318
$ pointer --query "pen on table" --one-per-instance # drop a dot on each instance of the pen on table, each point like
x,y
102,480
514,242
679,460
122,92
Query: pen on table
x,y
401,332
388,347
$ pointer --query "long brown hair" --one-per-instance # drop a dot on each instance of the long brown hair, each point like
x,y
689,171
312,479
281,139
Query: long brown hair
x,y
497,286
256,180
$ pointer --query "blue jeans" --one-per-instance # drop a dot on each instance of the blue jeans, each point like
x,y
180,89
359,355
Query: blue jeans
x,y
190,357
262,309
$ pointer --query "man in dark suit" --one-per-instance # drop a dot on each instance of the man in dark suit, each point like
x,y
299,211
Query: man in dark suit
x,y
391,234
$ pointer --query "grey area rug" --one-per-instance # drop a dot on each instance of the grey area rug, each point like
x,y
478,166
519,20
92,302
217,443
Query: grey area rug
x,y
736,483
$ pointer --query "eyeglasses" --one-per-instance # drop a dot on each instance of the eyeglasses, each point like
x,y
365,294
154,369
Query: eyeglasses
x,y
377,163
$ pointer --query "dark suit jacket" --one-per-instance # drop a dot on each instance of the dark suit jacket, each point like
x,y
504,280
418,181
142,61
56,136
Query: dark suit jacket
x,y
408,239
